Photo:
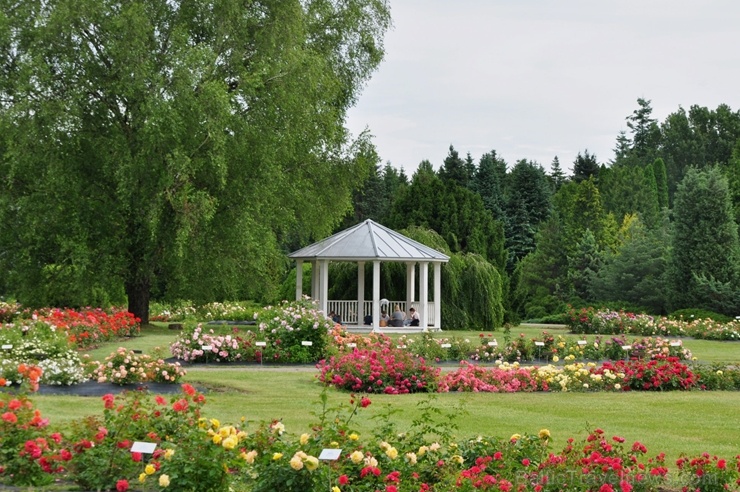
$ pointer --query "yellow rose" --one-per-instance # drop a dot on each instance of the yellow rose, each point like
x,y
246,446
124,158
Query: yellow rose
x,y
422,450
356,457
217,439
384,446
164,480
392,453
544,434
434,446
149,470
215,423
250,456
334,444
336,489
142,477
296,463
169,453
354,436
304,439
458,459
312,462
277,456
411,458
515,437
372,462
230,442
555,358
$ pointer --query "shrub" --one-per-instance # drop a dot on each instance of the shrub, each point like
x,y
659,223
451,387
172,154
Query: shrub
x,y
28,454
507,379
692,314
126,367
193,452
389,370
705,473
295,331
196,345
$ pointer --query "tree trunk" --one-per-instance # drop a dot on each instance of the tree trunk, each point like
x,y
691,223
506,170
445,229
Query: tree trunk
x,y
138,299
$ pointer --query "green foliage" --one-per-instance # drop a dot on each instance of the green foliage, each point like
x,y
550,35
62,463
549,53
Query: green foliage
x,y
661,182
636,272
705,249
584,266
694,313
528,195
472,294
454,212
489,183
167,149
540,279
454,169
585,167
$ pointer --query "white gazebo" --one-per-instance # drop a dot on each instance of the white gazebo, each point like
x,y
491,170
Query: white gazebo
x,y
370,241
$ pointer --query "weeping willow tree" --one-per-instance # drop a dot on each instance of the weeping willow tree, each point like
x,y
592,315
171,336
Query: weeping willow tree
x,y
472,294
472,288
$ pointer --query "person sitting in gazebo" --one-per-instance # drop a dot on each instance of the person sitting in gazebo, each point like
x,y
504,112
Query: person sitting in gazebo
x,y
413,319
397,317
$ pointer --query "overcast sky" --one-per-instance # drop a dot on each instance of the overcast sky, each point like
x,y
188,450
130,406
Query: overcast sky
x,y
533,79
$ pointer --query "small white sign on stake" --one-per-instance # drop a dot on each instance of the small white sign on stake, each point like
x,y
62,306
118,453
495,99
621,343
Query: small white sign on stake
x,y
7,347
494,343
206,348
330,454
626,347
582,342
446,345
306,343
261,344
143,447
540,344
352,345
401,346
675,344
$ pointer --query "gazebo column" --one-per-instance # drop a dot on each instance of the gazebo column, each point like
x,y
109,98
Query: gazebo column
x,y
423,294
298,280
410,283
376,295
324,285
437,295
315,280
360,292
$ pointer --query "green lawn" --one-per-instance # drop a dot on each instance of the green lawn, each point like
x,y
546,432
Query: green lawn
x,y
672,422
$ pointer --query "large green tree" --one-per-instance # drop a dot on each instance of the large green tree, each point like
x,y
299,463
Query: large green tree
x,y
170,147
528,195
705,262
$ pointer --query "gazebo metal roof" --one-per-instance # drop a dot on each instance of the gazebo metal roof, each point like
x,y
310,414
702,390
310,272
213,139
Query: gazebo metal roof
x,y
369,241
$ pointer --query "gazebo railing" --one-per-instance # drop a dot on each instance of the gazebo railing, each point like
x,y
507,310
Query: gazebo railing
x,y
347,310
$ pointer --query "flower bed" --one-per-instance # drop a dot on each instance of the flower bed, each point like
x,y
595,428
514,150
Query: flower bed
x,y
608,322
294,332
660,374
389,370
199,453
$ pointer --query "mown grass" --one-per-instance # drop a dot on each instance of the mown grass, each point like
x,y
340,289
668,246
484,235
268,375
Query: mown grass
x,y
671,422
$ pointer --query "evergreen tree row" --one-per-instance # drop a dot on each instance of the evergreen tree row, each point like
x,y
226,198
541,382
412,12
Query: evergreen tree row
x,y
654,230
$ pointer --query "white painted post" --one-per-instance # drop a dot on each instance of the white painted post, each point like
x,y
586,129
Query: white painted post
x,y
315,280
410,284
376,295
424,294
360,293
324,268
437,295
298,280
